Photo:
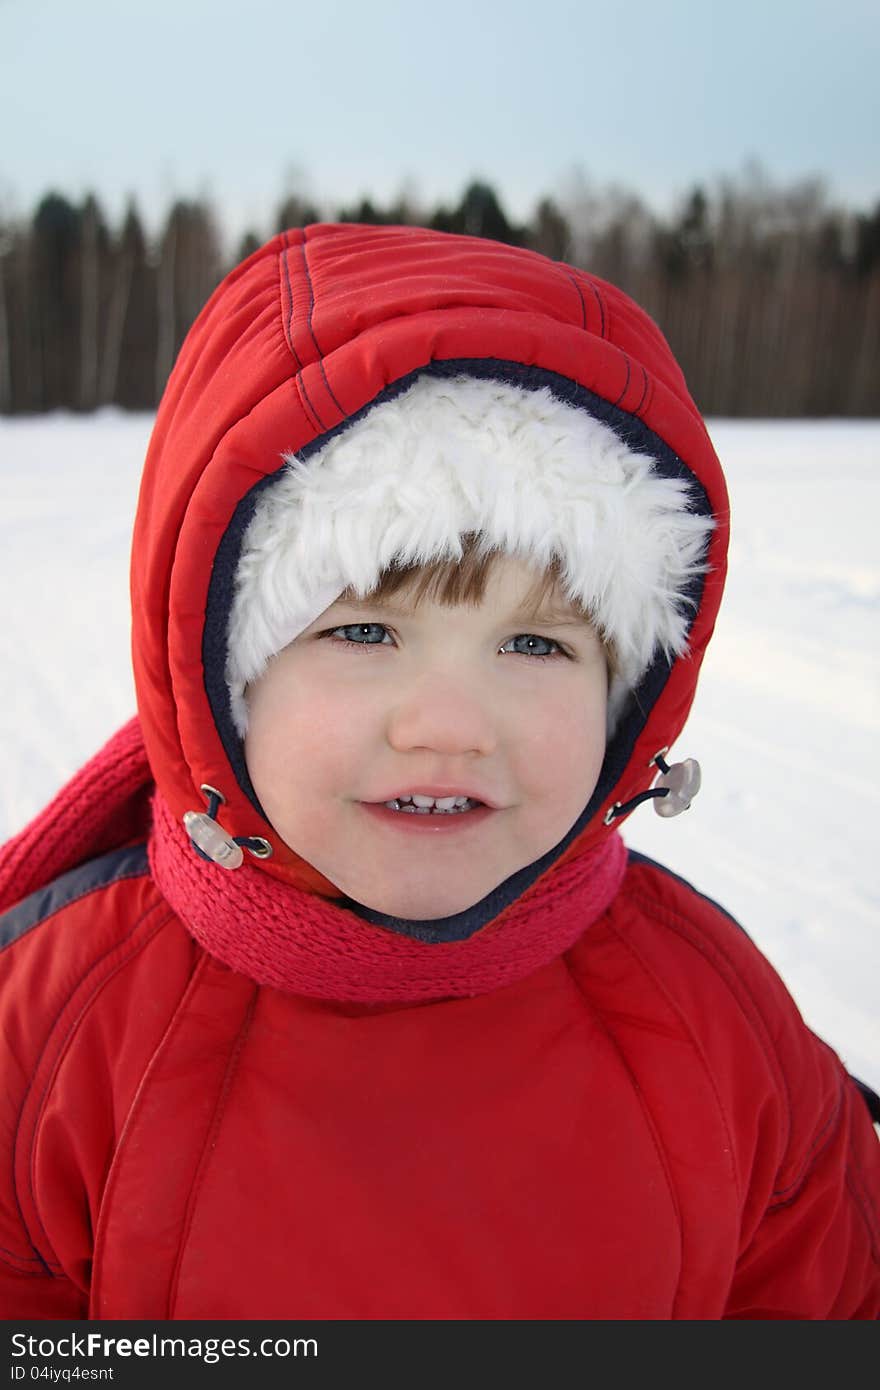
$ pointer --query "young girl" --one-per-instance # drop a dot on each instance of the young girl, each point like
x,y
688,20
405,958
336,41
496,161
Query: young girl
x,y
330,989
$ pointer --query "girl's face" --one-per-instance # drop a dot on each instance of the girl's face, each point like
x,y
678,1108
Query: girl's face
x,y
372,701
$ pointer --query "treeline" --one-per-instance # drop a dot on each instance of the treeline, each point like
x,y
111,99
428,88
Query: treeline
x,y
769,296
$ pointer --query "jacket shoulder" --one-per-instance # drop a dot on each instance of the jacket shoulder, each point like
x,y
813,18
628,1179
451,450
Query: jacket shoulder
x,y
115,867
682,935
54,937
726,995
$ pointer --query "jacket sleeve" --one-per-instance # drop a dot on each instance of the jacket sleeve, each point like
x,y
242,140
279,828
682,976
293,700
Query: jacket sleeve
x,y
813,1254
35,1280
810,1243
798,1205
72,1059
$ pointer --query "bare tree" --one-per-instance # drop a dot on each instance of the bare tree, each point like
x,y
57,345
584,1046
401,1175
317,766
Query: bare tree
x,y
6,244
93,252
768,294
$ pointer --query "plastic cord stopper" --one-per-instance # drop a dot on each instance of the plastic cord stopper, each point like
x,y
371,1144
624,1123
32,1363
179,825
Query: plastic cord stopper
x,y
682,781
212,840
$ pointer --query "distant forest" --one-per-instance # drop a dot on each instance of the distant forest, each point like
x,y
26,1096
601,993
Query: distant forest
x,y
769,296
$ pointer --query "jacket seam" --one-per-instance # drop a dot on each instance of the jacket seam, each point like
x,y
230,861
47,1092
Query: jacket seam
x,y
698,1050
863,1207
864,1188
330,392
861,1195
697,1045
287,302
647,1112
638,408
209,1145
323,429
679,924
603,325
814,1152
820,1143
173,1026
646,404
14,1261
305,262
580,295
309,410
37,1256
64,1044
626,383
320,355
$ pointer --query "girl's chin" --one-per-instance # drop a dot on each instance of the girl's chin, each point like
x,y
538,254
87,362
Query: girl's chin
x,y
418,909
417,905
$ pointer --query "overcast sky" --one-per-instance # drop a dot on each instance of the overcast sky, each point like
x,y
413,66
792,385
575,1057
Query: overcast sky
x,y
348,97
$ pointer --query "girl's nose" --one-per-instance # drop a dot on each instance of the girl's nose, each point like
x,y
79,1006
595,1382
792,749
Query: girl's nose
x,y
445,715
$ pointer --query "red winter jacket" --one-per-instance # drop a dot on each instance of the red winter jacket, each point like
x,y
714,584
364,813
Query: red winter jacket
x,y
601,1103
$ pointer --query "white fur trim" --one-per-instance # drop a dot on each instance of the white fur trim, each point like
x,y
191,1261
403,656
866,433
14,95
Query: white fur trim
x,y
536,476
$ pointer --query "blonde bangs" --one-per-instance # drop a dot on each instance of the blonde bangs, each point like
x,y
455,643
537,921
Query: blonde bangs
x,y
450,583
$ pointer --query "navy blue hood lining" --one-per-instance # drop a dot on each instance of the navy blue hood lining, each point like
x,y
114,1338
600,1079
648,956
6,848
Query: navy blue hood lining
x,y
633,432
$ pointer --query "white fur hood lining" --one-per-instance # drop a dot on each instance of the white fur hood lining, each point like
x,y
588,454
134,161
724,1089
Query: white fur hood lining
x,y
536,476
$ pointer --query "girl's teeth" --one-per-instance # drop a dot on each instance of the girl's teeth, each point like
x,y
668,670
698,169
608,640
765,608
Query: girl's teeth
x,y
426,806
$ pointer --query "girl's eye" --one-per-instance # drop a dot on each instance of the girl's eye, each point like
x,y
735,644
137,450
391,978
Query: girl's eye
x,y
363,628
357,627
531,640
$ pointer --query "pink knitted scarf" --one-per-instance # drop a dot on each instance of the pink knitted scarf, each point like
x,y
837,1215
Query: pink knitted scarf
x,y
301,943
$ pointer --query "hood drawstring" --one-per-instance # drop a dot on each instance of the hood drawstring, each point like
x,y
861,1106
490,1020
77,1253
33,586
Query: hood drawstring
x,y
674,789
211,842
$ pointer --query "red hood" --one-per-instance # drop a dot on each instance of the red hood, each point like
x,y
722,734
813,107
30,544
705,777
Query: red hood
x,y
313,328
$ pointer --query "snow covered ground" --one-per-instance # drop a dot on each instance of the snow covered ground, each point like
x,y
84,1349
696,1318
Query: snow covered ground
x,y
784,831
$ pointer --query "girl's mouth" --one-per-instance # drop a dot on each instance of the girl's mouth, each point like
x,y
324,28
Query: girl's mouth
x,y
447,806
429,822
